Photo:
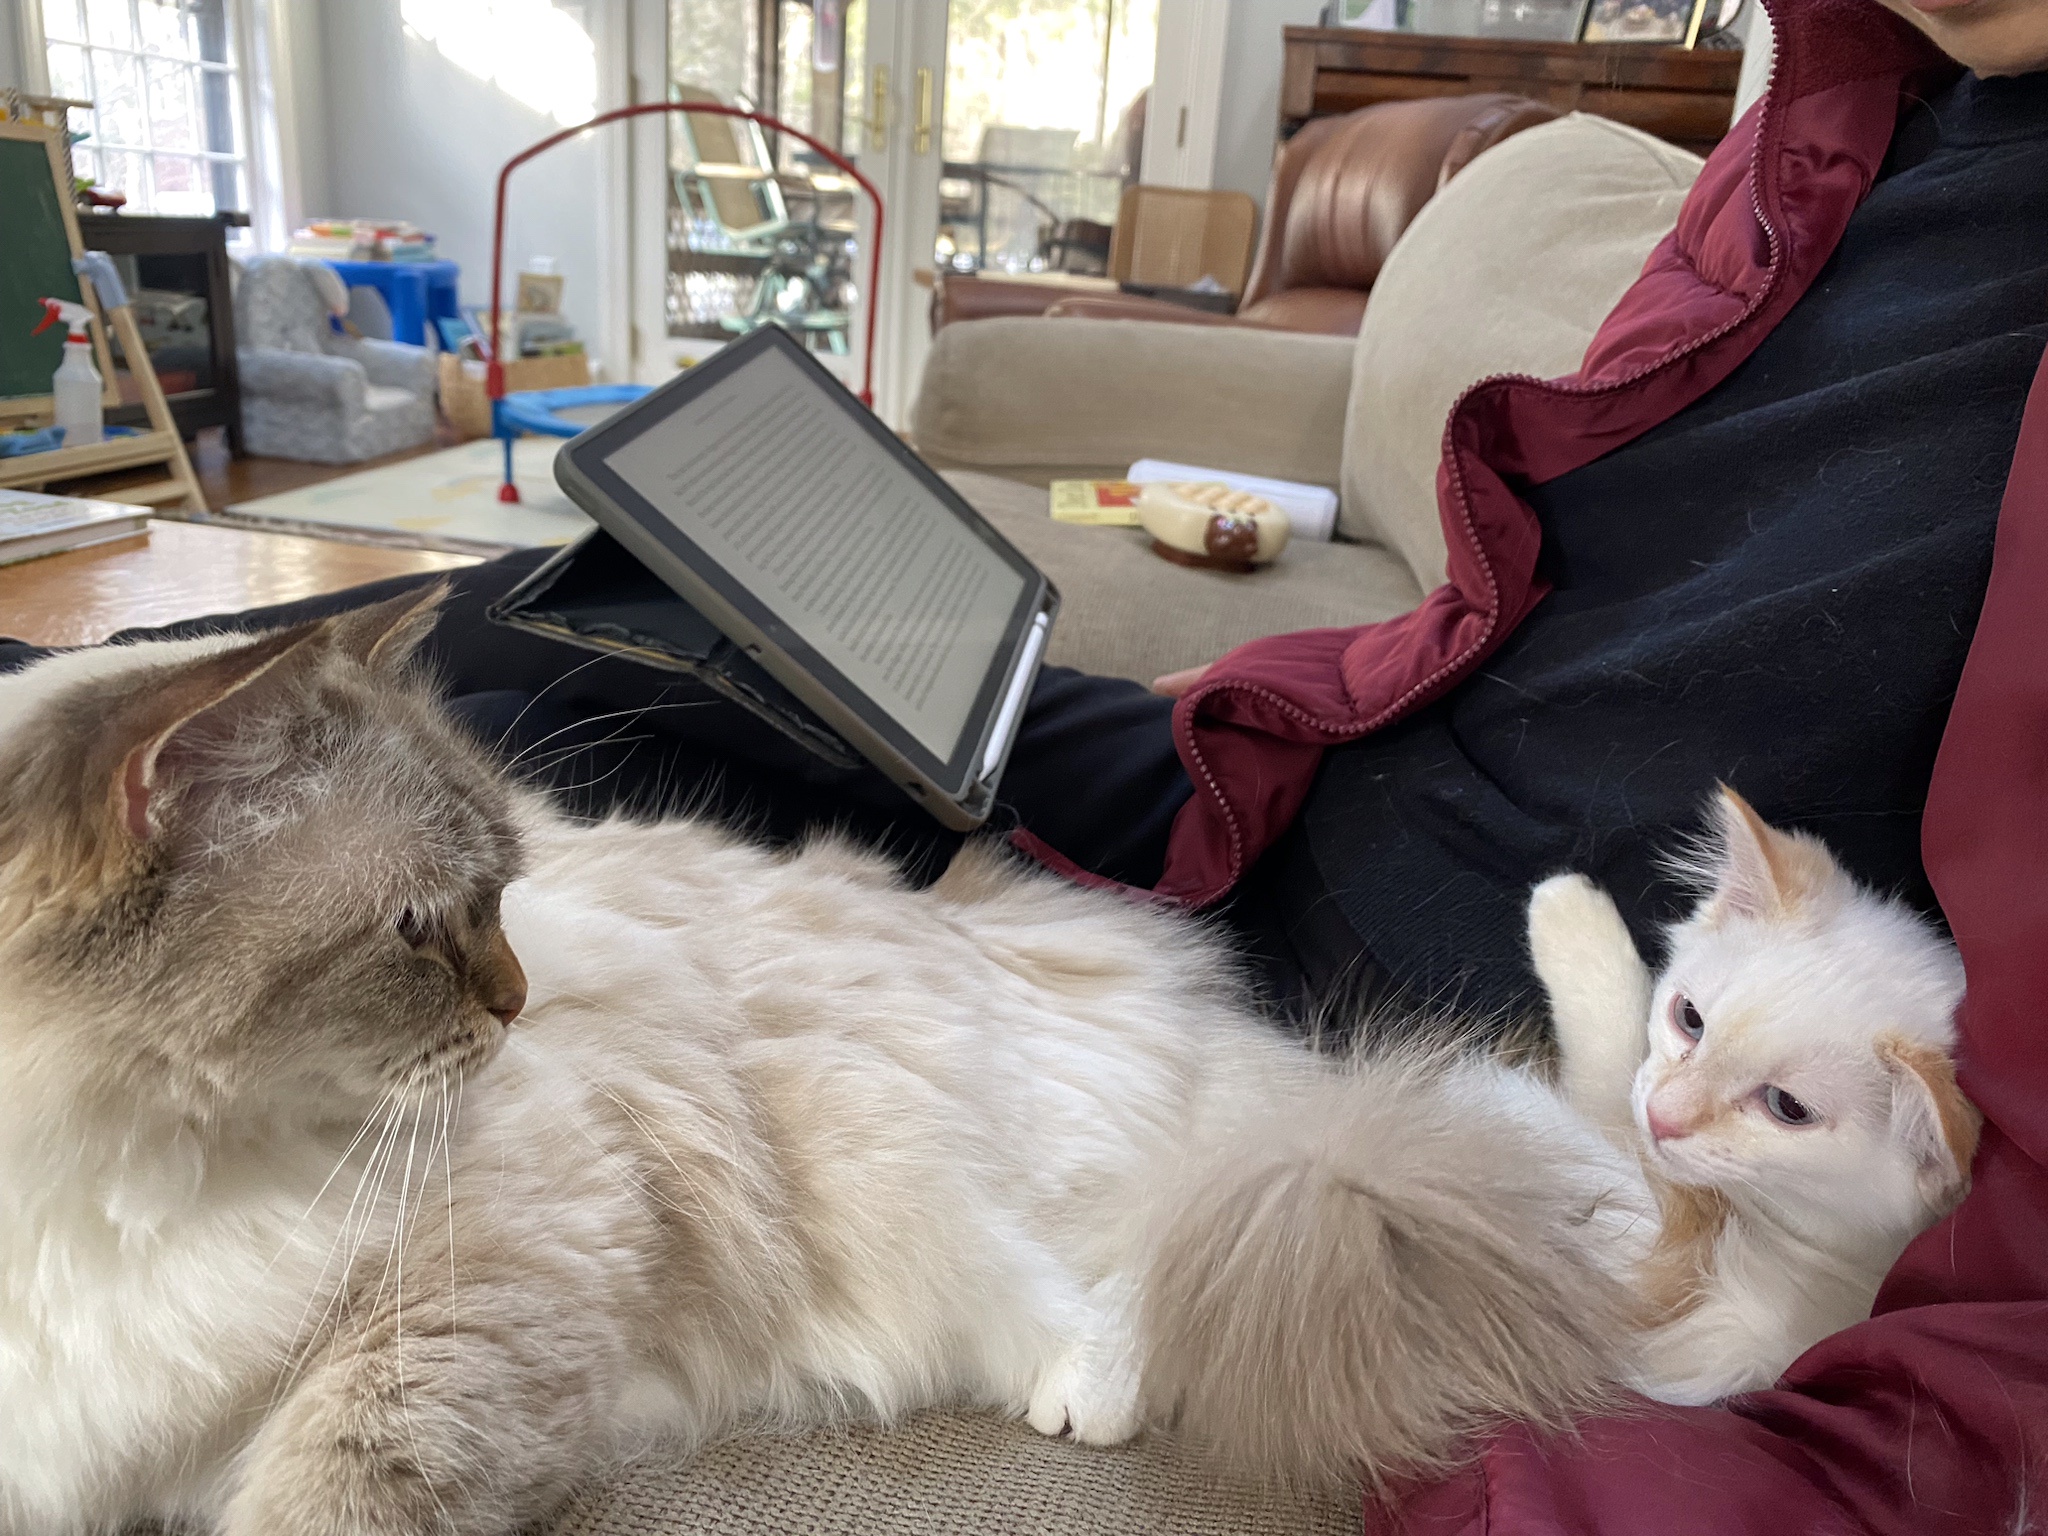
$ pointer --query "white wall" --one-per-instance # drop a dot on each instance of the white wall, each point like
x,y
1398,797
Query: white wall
x,y
10,42
1248,113
300,91
396,130
1758,46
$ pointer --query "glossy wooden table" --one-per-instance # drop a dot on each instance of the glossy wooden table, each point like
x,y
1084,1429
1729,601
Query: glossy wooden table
x,y
184,570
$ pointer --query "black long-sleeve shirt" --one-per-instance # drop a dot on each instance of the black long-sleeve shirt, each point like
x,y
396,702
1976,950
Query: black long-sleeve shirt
x,y
1777,588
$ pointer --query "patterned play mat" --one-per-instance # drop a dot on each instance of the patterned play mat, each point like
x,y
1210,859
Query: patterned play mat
x,y
446,500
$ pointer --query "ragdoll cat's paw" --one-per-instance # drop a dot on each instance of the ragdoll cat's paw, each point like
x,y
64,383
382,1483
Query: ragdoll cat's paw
x,y
1091,1391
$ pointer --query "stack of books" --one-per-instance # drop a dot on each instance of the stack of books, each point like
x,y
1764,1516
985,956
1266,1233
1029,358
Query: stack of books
x,y
33,524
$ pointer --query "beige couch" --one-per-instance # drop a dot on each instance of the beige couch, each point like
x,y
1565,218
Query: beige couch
x,y
1510,269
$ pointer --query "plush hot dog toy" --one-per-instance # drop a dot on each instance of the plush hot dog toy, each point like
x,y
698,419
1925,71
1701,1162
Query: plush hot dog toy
x,y
1208,524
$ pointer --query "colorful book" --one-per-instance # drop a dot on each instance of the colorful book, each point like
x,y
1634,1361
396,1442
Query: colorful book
x,y
1097,503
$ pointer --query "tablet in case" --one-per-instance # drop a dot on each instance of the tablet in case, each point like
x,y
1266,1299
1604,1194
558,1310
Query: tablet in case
x,y
595,595
857,601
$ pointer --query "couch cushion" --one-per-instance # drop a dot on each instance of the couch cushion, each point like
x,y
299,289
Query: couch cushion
x,y
1127,613
941,1475
1038,399
388,397
1510,269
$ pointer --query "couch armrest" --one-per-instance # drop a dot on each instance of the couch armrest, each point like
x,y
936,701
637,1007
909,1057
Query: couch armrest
x,y
958,296
1137,307
308,378
1037,399
393,364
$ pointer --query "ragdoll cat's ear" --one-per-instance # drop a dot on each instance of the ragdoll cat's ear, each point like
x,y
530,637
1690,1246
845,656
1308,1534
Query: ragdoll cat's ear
x,y
1759,871
147,729
1931,1118
384,636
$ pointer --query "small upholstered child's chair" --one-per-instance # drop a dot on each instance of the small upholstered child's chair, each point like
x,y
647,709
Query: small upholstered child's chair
x,y
309,392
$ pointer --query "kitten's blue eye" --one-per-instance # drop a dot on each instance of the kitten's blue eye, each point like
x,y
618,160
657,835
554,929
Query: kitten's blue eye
x,y
1687,1018
1785,1108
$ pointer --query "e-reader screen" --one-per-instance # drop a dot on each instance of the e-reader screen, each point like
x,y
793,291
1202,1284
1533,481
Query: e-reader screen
x,y
821,523
775,504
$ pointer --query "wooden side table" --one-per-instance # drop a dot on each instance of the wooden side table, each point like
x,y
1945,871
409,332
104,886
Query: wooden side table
x,y
183,571
1684,95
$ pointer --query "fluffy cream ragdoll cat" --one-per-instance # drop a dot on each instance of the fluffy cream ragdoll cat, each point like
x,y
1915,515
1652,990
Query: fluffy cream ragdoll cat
x,y
298,1234
1792,1100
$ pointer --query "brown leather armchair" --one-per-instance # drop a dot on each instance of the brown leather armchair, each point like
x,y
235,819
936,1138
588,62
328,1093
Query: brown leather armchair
x,y
1343,191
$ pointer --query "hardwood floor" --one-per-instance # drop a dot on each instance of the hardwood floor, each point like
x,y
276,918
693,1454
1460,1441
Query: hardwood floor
x,y
228,480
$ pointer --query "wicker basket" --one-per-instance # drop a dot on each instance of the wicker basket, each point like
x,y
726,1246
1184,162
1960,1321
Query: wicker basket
x,y
468,408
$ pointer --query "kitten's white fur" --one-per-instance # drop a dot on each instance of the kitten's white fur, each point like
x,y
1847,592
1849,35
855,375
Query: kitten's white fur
x,y
1805,982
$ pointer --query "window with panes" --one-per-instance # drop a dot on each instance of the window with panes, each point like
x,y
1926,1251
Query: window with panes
x,y
164,78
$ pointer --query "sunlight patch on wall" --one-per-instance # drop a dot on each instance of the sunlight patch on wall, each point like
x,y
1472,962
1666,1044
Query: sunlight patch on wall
x,y
531,51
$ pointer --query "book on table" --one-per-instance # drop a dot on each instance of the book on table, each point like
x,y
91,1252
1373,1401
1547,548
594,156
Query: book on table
x,y
33,524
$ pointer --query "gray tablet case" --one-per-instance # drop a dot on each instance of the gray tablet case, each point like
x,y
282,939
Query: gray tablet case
x,y
595,595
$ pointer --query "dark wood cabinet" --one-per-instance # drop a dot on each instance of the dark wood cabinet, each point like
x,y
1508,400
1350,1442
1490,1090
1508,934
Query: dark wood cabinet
x,y
170,263
1684,95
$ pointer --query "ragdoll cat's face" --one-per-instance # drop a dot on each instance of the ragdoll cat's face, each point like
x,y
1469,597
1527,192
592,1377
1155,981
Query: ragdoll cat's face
x,y
1799,1042
250,870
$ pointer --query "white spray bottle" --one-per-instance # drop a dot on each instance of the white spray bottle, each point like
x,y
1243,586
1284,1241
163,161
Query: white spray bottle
x,y
75,387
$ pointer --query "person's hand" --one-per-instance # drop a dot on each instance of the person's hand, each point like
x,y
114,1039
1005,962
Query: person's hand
x,y
1174,684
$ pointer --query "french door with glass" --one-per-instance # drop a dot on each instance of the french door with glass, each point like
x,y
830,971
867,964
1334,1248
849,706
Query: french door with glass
x,y
1001,134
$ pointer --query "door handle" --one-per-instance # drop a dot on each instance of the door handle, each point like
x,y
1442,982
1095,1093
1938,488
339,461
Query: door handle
x,y
878,110
921,133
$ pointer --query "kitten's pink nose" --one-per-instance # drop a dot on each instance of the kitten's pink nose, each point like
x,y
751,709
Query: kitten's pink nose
x,y
1664,1125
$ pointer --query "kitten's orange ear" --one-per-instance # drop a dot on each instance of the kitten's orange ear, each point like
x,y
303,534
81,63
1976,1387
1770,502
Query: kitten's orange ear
x,y
1930,1117
384,636
1760,871
142,731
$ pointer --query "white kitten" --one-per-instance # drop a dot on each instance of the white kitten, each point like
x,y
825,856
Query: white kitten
x,y
1786,1083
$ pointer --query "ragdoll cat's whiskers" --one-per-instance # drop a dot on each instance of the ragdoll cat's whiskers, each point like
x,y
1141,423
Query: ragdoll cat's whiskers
x,y
521,758
335,1303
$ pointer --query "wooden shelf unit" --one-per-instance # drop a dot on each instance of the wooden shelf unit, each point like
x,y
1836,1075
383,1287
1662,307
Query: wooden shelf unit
x,y
187,255
1684,95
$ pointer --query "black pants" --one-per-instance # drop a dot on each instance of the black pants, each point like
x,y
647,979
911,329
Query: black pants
x,y
1094,772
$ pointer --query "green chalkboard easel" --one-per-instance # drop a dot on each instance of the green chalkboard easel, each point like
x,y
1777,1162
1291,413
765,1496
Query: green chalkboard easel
x,y
38,238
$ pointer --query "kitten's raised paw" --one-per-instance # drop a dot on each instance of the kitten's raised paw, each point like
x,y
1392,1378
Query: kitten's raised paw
x,y
1090,1393
1577,941
1565,913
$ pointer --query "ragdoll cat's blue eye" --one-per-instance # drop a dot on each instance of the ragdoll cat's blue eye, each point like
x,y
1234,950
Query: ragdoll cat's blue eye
x,y
1785,1108
1687,1018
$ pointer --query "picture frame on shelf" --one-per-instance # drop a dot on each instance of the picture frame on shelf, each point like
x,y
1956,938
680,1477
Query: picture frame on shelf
x,y
1676,22
539,293
1548,21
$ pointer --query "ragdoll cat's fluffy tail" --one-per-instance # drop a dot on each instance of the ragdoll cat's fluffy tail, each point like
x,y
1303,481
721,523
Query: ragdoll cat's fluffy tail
x,y
1374,1268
